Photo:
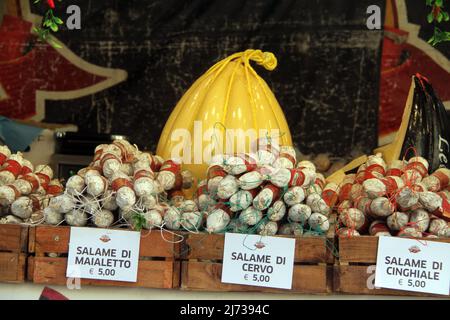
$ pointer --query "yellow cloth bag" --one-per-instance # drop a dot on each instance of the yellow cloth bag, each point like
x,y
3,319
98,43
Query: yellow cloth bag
x,y
224,107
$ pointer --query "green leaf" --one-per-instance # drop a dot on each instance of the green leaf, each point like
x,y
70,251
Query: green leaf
x,y
430,18
47,23
54,27
429,2
439,17
446,16
58,20
439,3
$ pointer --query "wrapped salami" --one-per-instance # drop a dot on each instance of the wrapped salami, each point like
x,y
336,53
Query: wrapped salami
x,y
346,187
277,211
236,165
27,184
379,228
96,185
241,200
250,180
169,175
218,219
319,222
62,203
191,220
76,218
266,197
45,174
172,218
352,218
381,208
11,169
330,194
144,184
109,200
75,184
153,218
251,216
420,219
396,168
5,153
299,213
398,220
125,196
439,227
215,174
374,188
8,194
410,232
27,167
267,228
375,163
227,187
54,187
52,216
317,204
286,158
407,198
103,218
347,232
294,195
438,180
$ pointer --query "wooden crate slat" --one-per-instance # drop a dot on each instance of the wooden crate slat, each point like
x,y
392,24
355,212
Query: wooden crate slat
x,y
354,280
206,276
364,249
51,239
210,247
358,249
151,274
56,240
12,267
13,238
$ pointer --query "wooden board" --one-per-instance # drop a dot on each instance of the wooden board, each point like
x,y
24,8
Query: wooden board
x,y
354,272
13,238
206,276
13,252
12,267
158,267
210,247
151,274
202,265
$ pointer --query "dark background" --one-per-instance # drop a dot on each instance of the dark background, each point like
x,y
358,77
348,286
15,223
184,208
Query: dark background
x,y
327,79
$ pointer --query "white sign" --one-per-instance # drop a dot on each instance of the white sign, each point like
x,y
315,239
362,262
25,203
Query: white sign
x,y
258,261
413,265
103,254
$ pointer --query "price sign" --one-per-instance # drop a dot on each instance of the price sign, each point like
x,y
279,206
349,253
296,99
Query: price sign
x,y
258,261
413,265
103,254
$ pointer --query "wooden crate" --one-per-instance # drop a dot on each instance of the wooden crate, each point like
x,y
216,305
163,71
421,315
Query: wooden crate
x,y
13,252
354,272
158,266
202,255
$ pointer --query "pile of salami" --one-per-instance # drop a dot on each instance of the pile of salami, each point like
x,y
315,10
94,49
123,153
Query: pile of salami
x,y
25,190
121,184
401,199
266,192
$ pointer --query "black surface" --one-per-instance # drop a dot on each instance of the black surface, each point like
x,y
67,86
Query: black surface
x,y
326,81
